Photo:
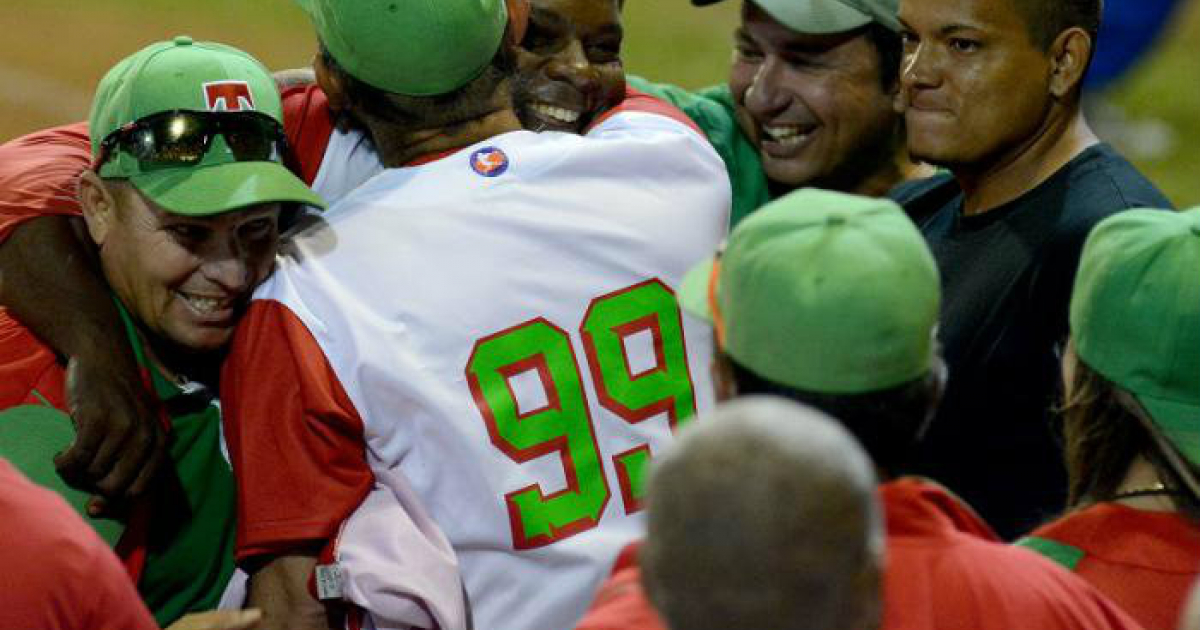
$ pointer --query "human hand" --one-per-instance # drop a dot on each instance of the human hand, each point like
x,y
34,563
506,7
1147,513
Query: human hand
x,y
219,620
119,442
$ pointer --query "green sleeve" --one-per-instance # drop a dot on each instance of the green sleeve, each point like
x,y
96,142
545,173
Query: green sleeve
x,y
712,110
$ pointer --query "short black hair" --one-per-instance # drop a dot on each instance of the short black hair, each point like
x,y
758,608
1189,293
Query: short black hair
x,y
464,104
888,423
890,50
1046,19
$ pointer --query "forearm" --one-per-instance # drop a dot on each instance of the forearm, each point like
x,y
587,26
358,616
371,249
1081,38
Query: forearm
x,y
280,590
51,281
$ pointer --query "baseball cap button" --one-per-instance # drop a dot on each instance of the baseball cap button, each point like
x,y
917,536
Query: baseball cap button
x,y
183,40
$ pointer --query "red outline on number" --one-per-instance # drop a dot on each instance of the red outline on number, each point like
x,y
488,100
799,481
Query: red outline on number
x,y
625,331
609,403
545,448
589,346
632,503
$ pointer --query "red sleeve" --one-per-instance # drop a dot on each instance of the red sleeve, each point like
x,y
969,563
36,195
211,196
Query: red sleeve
x,y
309,124
294,437
62,576
39,174
636,101
621,602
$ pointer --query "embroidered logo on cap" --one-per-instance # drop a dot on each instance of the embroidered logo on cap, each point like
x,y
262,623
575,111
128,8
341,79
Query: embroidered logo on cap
x,y
489,162
228,96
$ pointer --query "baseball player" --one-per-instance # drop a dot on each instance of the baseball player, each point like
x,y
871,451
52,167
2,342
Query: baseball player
x,y
1131,416
808,102
475,356
181,192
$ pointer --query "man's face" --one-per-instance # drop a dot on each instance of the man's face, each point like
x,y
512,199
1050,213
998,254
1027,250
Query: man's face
x,y
814,105
569,64
975,87
187,279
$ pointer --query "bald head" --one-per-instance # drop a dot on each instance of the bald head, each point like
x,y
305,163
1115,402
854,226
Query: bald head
x,y
764,515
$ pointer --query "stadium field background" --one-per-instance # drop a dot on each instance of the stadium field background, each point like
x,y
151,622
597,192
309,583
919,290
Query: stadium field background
x,y
54,52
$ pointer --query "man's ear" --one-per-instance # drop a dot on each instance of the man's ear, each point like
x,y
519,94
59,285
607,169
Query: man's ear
x,y
331,84
518,20
1069,55
99,206
724,381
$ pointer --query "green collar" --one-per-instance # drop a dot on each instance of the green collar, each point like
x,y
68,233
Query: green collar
x,y
163,387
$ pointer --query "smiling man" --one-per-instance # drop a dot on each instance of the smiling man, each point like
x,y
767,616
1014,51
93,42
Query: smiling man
x,y
808,103
569,64
990,91
181,193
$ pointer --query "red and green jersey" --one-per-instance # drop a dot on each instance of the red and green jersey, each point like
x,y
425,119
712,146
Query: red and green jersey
x,y
1145,561
188,548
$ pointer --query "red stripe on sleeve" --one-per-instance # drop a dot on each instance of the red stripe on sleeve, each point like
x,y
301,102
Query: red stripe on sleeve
x,y
636,101
309,124
295,439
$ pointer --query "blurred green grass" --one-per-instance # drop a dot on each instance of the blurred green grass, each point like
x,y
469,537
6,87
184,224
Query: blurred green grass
x,y
55,51
1166,86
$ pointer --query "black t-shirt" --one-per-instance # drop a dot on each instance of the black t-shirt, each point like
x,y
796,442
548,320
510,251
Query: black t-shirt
x,y
1007,276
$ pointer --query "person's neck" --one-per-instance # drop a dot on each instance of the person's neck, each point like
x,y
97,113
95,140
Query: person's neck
x,y
1141,476
1024,167
180,366
890,174
398,148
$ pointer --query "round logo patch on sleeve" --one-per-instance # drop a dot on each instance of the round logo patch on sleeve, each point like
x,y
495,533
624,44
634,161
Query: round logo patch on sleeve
x,y
489,162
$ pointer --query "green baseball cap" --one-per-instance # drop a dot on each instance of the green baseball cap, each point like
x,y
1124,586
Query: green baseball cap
x,y
828,16
200,77
411,47
824,292
1135,315
30,437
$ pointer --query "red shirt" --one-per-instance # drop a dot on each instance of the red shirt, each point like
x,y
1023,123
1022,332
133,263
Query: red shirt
x,y
39,174
1145,561
946,570
59,574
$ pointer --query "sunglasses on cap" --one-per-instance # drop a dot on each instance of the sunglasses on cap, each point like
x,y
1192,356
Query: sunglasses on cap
x,y
183,138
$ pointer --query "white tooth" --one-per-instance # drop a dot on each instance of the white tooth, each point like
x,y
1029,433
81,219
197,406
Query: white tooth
x,y
201,304
782,132
557,113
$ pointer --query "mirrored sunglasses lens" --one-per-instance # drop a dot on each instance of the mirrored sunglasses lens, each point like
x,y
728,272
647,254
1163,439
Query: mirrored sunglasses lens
x,y
251,139
178,139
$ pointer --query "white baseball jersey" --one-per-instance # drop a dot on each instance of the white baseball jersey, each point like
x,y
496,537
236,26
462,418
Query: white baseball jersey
x,y
480,353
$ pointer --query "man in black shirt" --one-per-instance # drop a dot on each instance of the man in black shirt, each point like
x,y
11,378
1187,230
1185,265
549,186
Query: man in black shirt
x,y
990,92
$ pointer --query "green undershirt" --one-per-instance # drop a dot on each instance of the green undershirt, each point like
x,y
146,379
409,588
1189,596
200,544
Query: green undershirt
x,y
190,551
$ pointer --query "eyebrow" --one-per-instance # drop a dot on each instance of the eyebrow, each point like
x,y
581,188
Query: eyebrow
x,y
949,29
547,18
611,29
